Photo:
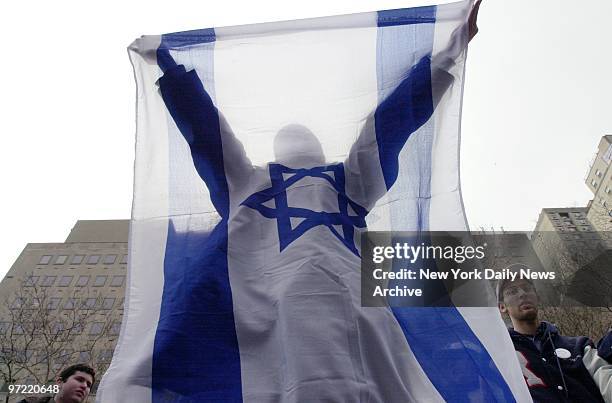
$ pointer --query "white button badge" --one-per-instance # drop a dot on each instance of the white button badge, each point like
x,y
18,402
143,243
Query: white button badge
x,y
563,353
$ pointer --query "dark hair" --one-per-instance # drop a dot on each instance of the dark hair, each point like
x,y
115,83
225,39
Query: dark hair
x,y
69,371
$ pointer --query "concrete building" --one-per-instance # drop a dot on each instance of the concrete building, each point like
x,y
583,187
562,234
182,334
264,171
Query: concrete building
x,y
599,182
505,248
567,242
62,303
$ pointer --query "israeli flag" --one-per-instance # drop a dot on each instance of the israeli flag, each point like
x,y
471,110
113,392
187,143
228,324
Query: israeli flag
x,y
262,153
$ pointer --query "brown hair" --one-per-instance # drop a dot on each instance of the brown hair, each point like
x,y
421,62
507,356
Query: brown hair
x,y
69,371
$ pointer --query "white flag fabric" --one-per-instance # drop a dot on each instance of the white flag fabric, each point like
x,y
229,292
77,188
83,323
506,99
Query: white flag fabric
x,y
262,153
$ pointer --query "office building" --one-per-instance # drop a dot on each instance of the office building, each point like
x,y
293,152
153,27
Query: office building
x,y
599,182
567,243
62,303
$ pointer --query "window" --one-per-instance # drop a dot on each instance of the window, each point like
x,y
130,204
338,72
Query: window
x,y
124,259
48,281
19,355
23,356
607,189
31,281
77,259
77,328
110,259
28,356
42,357
53,303
65,281
35,302
61,259
108,303
594,183
564,215
70,303
89,303
64,355
45,259
18,303
100,281
514,251
598,173
115,328
82,281
93,259
96,328
117,281
18,329
105,355
58,327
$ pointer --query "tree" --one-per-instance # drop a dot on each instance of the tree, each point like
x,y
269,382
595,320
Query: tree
x,y
593,322
40,333
582,271
582,289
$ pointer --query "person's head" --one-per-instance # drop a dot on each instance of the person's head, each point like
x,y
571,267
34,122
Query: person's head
x,y
75,383
518,299
296,146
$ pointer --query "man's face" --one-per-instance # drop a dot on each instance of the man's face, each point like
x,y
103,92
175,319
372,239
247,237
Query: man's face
x,y
76,388
520,300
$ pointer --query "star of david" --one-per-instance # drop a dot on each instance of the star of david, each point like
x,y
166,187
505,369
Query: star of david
x,y
342,224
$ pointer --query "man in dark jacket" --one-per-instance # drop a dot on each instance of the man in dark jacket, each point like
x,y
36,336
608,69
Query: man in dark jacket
x,y
552,364
74,383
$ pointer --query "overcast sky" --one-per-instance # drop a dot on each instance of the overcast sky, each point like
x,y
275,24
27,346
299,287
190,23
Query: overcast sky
x,y
537,100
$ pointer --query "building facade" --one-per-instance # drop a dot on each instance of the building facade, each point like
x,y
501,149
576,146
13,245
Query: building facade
x,y
504,249
599,182
567,243
62,303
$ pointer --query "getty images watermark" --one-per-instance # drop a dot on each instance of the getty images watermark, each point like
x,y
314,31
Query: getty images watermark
x,y
435,269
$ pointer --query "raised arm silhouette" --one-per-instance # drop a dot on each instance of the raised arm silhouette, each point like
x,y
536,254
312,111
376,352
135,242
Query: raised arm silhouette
x,y
396,118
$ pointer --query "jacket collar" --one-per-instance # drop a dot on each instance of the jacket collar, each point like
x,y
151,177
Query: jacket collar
x,y
543,331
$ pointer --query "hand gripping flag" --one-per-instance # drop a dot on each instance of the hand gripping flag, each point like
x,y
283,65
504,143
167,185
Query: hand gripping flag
x,y
262,153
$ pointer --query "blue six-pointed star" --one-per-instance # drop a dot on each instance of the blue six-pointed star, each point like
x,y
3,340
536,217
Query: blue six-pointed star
x,y
282,178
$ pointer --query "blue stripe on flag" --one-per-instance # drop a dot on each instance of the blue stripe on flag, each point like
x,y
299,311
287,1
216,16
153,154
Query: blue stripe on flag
x,y
196,356
179,39
187,38
407,16
197,118
401,114
440,338
451,355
